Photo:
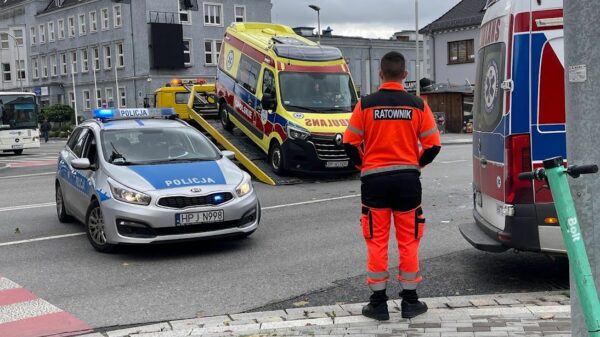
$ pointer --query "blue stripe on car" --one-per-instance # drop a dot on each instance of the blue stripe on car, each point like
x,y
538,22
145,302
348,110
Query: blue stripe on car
x,y
163,176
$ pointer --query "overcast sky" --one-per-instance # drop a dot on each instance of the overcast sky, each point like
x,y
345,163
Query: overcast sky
x,y
367,18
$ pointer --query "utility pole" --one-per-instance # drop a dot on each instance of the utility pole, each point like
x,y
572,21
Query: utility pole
x,y
417,63
582,75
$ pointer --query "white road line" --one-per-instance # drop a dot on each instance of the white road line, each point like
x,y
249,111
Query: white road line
x,y
452,161
6,284
17,208
311,202
29,175
45,238
24,310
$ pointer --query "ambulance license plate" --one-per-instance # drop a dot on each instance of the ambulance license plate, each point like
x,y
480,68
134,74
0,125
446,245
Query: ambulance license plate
x,y
195,218
17,146
336,164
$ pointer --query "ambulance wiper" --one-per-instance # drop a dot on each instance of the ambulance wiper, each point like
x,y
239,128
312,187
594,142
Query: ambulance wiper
x,y
302,107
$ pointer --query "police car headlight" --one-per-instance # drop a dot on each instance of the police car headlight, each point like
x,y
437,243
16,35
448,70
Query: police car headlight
x,y
295,131
244,188
129,196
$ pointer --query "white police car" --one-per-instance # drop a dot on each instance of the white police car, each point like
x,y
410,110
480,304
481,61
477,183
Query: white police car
x,y
142,176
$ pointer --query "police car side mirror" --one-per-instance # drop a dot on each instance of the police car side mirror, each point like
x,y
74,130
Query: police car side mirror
x,y
228,154
269,101
81,164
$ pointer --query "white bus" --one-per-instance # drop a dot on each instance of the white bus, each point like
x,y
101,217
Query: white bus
x,y
18,122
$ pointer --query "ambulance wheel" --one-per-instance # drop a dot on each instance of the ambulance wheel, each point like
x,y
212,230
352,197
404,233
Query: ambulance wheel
x,y
95,230
276,158
18,152
61,210
224,117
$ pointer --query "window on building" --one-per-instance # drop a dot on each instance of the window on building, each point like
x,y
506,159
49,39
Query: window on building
x,y
187,51
6,73
211,51
63,64
61,29
21,69
107,58
239,13
32,36
74,62
93,22
461,52
120,56
3,41
44,67
42,31
72,99
18,34
117,16
213,14
53,66
34,69
96,56
85,64
110,99
122,97
98,98
87,100
71,26
185,15
51,32
105,18
82,25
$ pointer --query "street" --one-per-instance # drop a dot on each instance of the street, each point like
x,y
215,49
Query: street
x,y
308,249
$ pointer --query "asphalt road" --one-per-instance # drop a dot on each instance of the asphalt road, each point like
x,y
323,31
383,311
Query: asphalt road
x,y
311,252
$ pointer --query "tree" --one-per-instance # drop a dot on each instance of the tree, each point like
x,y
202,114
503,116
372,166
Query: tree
x,y
59,113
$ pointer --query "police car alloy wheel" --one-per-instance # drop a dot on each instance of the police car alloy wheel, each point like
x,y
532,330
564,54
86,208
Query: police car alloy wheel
x,y
224,117
94,227
61,211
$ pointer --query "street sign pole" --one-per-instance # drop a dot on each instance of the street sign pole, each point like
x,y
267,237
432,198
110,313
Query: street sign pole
x,y
582,52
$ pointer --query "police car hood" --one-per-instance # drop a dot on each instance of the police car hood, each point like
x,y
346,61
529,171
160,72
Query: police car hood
x,y
170,177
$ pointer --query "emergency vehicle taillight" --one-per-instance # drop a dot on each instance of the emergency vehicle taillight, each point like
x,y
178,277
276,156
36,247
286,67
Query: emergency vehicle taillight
x,y
518,159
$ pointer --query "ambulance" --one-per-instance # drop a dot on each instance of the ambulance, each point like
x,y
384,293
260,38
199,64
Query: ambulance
x,y
289,95
519,120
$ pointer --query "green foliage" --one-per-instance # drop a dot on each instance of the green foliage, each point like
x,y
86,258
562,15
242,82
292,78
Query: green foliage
x,y
59,113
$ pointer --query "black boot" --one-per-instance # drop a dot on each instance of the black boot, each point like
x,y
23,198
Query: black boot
x,y
411,306
377,307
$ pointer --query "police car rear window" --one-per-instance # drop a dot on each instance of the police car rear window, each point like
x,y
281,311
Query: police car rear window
x,y
308,53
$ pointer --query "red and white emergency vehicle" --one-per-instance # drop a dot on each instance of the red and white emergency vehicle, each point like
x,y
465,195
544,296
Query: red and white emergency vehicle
x,y
519,120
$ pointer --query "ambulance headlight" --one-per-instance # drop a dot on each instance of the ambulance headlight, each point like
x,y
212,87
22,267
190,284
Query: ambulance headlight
x,y
295,131
244,188
129,196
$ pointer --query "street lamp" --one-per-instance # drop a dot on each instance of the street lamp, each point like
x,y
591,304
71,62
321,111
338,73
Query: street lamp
x,y
18,58
318,10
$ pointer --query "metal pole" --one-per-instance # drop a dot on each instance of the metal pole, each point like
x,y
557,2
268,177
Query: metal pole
x,y
117,83
18,59
95,86
581,25
74,94
319,24
417,65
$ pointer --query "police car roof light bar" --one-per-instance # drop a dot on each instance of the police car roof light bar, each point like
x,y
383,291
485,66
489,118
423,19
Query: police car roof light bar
x,y
104,114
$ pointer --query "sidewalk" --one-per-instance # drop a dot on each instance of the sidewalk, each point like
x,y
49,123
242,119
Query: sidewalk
x,y
457,138
521,314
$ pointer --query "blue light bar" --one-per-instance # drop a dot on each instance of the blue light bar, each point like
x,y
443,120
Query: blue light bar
x,y
103,113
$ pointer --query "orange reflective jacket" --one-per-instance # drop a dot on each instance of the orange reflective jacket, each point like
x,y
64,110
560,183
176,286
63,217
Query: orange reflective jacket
x,y
388,125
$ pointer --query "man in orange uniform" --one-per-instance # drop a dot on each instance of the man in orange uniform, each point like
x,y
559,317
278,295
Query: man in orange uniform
x,y
383,141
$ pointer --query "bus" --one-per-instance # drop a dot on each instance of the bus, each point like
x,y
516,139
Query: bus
x,y
18,122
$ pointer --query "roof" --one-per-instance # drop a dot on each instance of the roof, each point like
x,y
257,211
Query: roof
x,y
467,13
10,3
65,3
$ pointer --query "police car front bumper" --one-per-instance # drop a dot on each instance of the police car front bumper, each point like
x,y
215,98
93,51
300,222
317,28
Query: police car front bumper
x,y
134,224
301,156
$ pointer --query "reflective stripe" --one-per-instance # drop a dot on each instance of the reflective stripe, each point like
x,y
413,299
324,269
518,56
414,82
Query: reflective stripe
x,y
409,276
408,285
428,132
378,286
390,169
378,275
355,130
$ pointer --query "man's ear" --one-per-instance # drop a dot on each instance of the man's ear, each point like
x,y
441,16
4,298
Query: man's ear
x,y
381,76
406,75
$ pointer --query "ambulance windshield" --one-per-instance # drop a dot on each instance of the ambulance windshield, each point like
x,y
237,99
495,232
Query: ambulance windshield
x,y
317,92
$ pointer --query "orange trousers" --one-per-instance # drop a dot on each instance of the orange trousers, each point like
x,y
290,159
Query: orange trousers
x,y
409,226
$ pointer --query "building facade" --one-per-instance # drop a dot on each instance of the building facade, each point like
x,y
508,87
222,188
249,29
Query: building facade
x,y
90,53
451,43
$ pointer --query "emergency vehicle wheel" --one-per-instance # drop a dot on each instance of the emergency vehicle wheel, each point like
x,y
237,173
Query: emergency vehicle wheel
x,y
94,228
18,152
276,159
61,211
224,117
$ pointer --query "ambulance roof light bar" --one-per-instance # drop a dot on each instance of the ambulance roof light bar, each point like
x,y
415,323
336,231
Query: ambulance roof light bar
x,y
104,114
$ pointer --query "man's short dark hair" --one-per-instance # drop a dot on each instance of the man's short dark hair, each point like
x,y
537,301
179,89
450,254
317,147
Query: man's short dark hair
x,y
393,65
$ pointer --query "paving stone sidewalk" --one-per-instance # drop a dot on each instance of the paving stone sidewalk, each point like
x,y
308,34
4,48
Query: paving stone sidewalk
x,y
521,314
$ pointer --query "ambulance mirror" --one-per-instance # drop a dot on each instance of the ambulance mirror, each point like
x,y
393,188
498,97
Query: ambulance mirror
x,y
269,101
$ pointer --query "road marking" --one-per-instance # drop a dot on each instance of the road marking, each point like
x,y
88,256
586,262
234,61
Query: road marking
x,y
45,238
29,175
310,202
16,208
452,161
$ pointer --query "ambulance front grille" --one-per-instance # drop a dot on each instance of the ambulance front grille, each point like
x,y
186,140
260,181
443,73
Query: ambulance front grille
x,y
327,149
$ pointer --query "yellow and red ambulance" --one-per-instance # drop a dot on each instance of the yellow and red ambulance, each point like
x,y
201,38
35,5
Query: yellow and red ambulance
x,y
289,95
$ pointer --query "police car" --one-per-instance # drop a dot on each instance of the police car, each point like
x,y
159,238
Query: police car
x,y
137,176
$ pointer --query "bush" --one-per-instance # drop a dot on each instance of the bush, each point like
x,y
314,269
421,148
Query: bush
x,y
59,113
62,134
53,134
67,128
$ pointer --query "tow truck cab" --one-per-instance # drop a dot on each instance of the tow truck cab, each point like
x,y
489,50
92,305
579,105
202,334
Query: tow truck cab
x,y
519,120
177,94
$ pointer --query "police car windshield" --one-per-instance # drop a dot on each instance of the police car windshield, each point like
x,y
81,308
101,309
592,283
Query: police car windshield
x,y
317,92
154,146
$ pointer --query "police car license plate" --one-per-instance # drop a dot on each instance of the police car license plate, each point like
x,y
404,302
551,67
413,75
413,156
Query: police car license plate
x,y
194,218
17,146
336,164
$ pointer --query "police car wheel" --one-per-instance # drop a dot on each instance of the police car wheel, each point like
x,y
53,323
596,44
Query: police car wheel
x,y
224,117
61,210
18,152
94,226
276,159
